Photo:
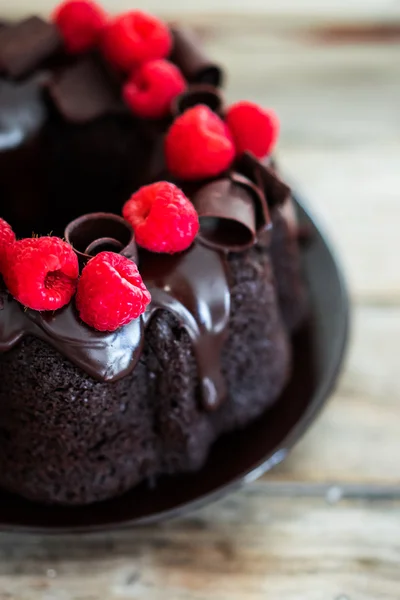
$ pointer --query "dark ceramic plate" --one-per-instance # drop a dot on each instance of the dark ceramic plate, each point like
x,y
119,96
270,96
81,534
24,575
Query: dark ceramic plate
x,y
242,456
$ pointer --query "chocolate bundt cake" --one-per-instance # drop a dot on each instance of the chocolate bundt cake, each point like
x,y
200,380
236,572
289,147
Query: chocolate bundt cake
x,y
102,388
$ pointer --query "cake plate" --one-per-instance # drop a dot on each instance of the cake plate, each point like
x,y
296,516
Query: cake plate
x,y
242,456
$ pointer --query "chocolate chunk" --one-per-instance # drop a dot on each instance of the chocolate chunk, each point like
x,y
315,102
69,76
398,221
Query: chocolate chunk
x,y
275,190
198,94
261,210
226,214
25,45
85,91
190,57
97,232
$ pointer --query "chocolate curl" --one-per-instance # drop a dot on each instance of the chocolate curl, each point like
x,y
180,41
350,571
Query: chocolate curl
x,y
190,57
99,232
262,214
198,94
265,177
85,91
27,44
226,215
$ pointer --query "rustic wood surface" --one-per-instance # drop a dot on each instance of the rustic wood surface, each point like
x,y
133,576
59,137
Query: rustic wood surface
x,y
325,525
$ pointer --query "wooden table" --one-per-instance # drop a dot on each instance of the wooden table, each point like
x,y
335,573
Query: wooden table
x,y
326,524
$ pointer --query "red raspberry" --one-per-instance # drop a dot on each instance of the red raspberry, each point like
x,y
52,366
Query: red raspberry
x,y
7,238
152,88
253,128
198,144
80,23
134,38
111,292
163,219
41,273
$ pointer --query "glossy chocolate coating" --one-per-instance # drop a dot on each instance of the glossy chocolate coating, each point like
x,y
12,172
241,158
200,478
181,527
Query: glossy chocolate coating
x,y
192,285
81,104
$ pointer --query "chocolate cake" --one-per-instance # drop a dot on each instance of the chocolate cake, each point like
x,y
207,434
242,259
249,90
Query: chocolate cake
x,y
87,414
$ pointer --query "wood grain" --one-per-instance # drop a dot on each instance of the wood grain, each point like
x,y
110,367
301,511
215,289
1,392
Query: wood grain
x,y
248,546
357,437
281,537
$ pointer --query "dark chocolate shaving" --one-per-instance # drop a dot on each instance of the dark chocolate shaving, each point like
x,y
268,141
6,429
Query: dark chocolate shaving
x,y
226,214
190,57
85,91
275,190
262,213
26,45
198,94
97,232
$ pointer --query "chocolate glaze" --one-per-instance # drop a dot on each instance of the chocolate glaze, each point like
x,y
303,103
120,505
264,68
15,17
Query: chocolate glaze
x,y
192,285
104,356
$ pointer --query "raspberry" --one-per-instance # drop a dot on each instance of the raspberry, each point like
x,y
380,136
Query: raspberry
x,y
7,238
41,273
253,128
163,219
80,23
152,88
134,38
198,144
111,292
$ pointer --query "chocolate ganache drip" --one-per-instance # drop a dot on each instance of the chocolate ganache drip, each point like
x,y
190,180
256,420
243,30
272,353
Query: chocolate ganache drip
x,y
104,356
193,285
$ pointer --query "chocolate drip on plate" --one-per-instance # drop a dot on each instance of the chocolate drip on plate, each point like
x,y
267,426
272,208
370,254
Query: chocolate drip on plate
x,y
194,287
